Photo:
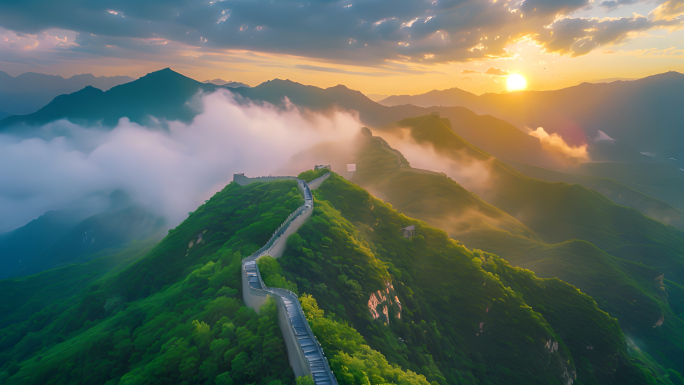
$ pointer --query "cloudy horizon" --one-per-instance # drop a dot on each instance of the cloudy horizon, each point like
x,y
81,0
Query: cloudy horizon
x,y
367,45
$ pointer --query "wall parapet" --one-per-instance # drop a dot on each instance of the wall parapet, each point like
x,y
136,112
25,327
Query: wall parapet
x,y
316,183
243,180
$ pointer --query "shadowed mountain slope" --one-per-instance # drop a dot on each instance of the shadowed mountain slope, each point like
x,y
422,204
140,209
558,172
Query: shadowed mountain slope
x,y
163,94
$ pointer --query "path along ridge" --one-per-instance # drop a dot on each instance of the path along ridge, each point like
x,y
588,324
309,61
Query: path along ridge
x,y
303,350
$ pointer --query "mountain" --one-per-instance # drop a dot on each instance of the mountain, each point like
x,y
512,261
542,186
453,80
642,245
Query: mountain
x,y
625,194
27,242
103,233
615,254
64,237
441,312
376,97
641,115
451,97
572,112
429,293
30,91
161,94
160,318
659,180
58,289
493,135
229,84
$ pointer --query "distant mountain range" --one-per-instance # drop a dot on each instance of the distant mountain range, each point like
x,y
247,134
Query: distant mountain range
x,y
30,91
163,94
229,84
642,116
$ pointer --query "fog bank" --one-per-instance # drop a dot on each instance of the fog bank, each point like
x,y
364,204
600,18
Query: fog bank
x,y
169,171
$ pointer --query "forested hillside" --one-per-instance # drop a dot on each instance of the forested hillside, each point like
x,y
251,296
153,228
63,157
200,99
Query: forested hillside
x,y
387,309
173,315
433,307
629,263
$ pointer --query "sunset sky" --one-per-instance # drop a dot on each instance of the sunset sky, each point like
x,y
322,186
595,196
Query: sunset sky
x,y
375,46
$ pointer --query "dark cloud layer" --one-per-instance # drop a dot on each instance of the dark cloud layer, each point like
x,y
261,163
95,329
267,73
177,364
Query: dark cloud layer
x,y
350,31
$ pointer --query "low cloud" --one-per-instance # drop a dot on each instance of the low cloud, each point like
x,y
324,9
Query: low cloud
x,y
473,174
497,72
170,172
602,137
490,71
556,144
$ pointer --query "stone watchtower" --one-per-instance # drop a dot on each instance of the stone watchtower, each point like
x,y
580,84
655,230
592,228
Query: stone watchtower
x,y
409,231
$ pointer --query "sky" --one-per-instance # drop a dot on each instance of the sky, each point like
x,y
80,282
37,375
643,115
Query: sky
x,y
375,46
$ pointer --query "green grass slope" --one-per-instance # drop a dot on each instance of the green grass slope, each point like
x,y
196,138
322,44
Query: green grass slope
x,y
659,180
620,193
432,307
175,315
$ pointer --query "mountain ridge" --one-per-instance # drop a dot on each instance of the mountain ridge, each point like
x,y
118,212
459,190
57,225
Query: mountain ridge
x,y
640,114
162,93
29,91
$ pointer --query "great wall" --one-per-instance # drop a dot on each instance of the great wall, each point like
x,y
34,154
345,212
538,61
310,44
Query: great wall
x,y
304,353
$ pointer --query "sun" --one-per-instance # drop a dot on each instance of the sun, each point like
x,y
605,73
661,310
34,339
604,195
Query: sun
x,y
516,82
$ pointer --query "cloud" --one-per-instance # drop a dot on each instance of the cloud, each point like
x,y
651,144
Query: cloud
x,y
497,72
552,8
669,10
612,4
490,71
339,70
579,36
363,33
473,174
557,145
602,137
170,172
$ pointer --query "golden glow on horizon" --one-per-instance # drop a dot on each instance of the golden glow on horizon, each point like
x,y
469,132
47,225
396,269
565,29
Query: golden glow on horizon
x,y
542,71
515,82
